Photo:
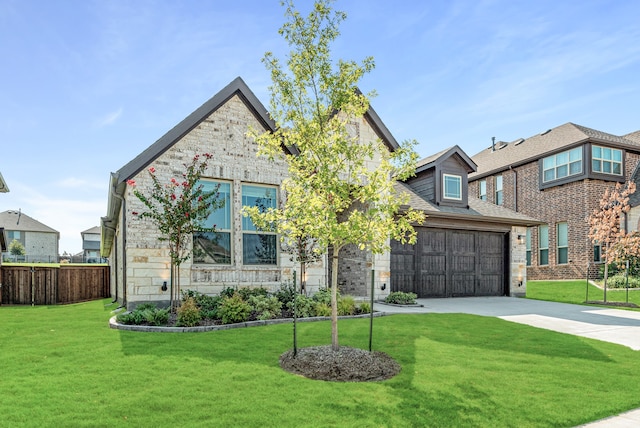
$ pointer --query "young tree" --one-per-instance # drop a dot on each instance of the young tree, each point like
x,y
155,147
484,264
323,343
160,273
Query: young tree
x,y
179,208
340,189
16,248
605,228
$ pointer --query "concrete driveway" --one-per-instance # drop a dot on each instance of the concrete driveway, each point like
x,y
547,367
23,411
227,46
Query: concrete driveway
x,y
609,325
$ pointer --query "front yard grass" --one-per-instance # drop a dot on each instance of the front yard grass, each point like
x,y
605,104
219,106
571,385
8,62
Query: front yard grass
x,y
62,366
576,292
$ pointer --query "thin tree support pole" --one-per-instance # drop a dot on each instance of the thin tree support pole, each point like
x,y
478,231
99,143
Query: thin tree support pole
x,y
373,273
295,317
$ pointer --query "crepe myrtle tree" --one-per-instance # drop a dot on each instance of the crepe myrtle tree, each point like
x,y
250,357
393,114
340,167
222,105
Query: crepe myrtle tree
x,y
340,189
179,208
606,228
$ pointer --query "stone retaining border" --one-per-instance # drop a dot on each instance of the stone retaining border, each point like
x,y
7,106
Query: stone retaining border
x,y
202,328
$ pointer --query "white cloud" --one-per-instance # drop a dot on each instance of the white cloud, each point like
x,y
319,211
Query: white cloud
x,y
109,118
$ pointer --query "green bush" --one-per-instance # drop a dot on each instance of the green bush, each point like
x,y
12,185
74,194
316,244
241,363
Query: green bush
x,y
324,296
208,305
131,318
364,308
146,313
233,309
248,292
145,306
265,307
156,316
303,307
188,313
228,292
346,305
321,309
401,298
619,281
286,293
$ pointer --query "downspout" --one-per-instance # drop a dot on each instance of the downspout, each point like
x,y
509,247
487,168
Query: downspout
x,y
123,209
515,188
115,258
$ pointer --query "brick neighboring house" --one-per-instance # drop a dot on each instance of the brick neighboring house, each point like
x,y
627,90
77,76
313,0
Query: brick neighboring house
x,y
558,177
39,240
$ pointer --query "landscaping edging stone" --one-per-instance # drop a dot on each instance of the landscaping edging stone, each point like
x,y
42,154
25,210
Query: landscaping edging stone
x,y
202,328
414,305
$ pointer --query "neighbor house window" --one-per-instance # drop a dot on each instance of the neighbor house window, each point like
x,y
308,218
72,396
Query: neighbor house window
x,y
528,243
215,247
562,165
482,190
258,246
606,160
543,245
452,187
562,238
597,253
498,188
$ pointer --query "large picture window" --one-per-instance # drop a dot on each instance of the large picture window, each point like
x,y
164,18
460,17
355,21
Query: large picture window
x,y
452,187
606,160
562,165
215,247
562,238
543,245
258,247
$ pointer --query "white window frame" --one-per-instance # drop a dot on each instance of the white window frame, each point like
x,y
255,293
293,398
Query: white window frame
x,y
482,190
603,160
457,178
561,164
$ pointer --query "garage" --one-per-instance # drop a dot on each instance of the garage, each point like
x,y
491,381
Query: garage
x,y
451,263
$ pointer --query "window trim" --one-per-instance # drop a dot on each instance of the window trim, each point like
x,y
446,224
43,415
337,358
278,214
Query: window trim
x,y
228,205
257,232
444,186
566,164
602,160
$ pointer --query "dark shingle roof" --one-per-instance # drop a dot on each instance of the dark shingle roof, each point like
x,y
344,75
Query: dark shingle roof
x,y
634,136
430,161
478,210
16,220
560,138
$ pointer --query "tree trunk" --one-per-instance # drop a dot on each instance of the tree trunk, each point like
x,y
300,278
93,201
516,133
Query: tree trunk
x,y
334,300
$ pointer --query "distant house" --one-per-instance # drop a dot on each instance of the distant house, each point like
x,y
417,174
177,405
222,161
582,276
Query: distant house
x,y
558,177
468,247
3,186
40,241
91,245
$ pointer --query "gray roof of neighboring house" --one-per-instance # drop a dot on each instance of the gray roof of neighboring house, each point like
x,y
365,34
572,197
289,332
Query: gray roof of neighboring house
x,y
563,137
478,210
430,161
17,220
3,185
94,230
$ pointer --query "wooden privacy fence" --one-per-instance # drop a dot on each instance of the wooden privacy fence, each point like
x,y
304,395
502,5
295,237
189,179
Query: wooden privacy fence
x,y
47,285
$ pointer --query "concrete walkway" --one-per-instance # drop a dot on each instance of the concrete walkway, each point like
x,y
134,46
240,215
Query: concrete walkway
x,y
609,325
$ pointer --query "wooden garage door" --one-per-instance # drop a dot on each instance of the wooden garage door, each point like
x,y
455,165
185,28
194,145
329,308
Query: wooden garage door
x,y
450,263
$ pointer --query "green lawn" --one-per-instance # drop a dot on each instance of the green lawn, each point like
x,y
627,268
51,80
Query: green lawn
x,y
63,366
576,292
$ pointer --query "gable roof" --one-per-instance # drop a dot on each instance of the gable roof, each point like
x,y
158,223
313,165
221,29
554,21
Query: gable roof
x,y
433,160
3,186
633,136
477,210
554,140
93,230
17,220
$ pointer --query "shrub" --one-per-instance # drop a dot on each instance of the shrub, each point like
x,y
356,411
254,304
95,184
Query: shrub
x,y
156,316
321,309
247,292
619,281
286,293
364,308
228,292
233,309
324,296
303,307
144,306
208,305
188,313
146,313
346,305
265,307
131,318
401,298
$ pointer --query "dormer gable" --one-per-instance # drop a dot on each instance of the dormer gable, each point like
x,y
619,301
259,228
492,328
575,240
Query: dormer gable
x,y
442,179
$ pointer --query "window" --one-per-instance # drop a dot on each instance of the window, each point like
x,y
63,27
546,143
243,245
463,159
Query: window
x,y
597,253
498,188
562,165
452,187
215,247
482,190
13,234
528,243
606,160
258,247
562,238
543,245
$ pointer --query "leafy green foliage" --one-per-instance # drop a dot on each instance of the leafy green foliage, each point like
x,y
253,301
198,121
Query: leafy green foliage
x,y
619,281
286,293
321,309
324,296
228,292
16,248
346,305
145,314
364,308
188,313
303,306
265,307
208,305
234,309
247,292
401,298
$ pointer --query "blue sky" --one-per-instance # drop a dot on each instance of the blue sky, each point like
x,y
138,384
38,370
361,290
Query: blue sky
x,y
86,85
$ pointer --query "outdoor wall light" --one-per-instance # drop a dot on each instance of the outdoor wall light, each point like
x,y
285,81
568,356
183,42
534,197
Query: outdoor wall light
x,y
164,286
383,286
521,239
